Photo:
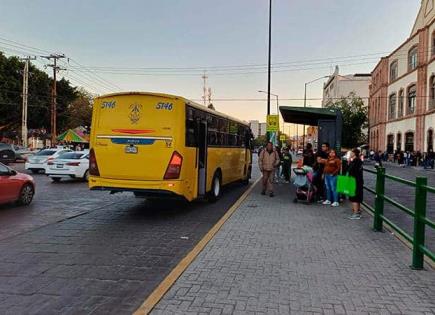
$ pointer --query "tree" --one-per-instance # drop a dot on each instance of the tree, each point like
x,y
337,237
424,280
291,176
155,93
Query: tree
x,y
260,141
79,112
39,100
355,120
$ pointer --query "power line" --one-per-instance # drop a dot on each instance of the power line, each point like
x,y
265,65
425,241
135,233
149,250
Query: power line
x,y
23,45
226,74
104,81
23,49
83,83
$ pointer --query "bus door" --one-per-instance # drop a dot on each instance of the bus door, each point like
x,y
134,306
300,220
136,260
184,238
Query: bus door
x,y
248,153
202,158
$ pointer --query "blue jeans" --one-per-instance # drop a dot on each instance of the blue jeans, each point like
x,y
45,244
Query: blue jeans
x,y
331,188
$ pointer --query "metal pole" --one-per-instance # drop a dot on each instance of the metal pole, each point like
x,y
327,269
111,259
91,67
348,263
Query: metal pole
x,y
277,112
24,114
25,99
53,105
379,200
419,224
305,105
269,61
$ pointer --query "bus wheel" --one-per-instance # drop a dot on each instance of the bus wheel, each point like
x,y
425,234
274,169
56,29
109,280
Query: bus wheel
x,y
216,188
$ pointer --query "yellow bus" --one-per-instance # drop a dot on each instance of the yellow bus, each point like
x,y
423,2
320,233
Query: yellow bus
x,y
159,145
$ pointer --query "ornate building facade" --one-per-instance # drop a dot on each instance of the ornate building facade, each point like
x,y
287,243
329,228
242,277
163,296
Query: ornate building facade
x,y
402,93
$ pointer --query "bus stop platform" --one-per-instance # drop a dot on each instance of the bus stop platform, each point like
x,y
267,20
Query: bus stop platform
x,y
276,257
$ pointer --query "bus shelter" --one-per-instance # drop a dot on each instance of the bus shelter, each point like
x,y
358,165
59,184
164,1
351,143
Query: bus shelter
x,y
329,122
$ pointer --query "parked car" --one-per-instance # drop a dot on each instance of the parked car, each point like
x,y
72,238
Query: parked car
x,y
38,162
69,165
7,153
22,153
15,187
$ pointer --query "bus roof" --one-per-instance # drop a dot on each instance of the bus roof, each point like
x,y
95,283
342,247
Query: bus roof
x,y
175,97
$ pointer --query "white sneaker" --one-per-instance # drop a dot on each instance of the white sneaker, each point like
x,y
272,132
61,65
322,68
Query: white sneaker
x,y
326,202
335,204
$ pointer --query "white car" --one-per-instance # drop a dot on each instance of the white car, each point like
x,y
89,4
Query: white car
x,y
38,162
69,165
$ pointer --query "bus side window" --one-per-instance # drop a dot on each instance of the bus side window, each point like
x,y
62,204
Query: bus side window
x,y
213,131
191,128
223,132
248,138
241,137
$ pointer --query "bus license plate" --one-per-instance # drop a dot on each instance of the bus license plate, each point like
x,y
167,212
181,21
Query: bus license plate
x,y
131,149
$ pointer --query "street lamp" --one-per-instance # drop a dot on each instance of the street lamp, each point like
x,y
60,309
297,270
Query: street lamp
x,y
277,100
305,101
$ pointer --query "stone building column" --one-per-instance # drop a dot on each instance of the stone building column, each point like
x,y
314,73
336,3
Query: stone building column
x,y
423,52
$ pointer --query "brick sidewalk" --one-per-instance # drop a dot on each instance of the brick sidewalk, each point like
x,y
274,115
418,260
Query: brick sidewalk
x,y
276,257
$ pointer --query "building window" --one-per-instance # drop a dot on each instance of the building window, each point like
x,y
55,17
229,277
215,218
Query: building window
x,y
432,92
433,44
412,99
390,144
399,142
401,103
378,109
394,70
409,142
413,58
392,106
430,140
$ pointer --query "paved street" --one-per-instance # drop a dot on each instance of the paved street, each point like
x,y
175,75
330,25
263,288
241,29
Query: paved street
x,y
74,251
275,257
405,195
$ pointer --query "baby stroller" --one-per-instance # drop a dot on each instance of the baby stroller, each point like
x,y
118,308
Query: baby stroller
x,y
305,190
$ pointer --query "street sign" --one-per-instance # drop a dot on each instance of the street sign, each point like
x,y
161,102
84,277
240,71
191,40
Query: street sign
x,y
272,123
273,137
282,138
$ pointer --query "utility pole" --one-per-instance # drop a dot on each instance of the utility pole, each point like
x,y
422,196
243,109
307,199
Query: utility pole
x,y
209,96
204,88
55,57
25,97
269,63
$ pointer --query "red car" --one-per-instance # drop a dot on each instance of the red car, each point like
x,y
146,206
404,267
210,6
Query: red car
x,y
15,187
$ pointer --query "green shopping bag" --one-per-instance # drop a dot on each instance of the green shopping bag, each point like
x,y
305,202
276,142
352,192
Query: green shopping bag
x,y
346,185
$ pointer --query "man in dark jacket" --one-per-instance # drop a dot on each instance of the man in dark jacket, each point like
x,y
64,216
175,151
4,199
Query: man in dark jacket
x,y
308,155
286,164
318,179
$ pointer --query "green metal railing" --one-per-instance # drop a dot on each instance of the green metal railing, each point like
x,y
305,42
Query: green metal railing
x,y
419,250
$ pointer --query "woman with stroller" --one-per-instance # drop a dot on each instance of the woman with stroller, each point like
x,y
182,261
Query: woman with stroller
x,y
331,170
355,170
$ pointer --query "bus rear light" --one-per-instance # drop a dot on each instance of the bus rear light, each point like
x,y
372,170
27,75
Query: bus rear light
x,y
174,167
93,166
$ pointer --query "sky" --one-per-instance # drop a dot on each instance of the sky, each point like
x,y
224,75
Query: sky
x,y
119,41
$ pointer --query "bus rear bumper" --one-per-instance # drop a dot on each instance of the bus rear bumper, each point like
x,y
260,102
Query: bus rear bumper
x,y
148,189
